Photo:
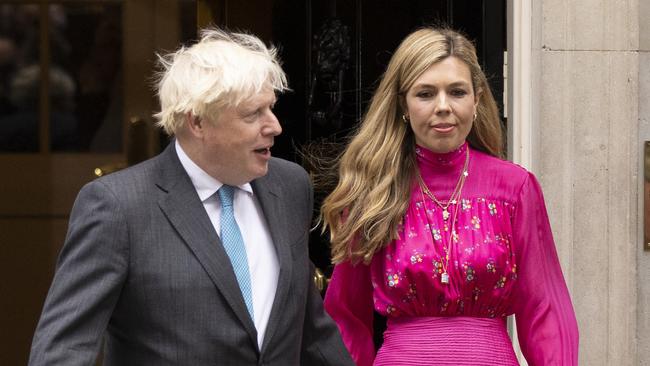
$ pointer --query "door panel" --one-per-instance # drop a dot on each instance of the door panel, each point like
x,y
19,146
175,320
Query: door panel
x,y
42,185
85,68
22,250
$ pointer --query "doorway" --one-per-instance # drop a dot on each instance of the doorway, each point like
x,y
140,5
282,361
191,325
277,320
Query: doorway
x,y
334,52
75,96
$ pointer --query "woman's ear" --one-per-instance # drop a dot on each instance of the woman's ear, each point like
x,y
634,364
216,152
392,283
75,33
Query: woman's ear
x,y
477,98
401,101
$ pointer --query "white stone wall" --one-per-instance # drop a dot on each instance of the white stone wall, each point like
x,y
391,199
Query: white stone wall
x,y
593,83
643,259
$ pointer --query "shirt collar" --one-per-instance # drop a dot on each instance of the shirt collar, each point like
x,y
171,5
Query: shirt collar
x,y
433,159
204,183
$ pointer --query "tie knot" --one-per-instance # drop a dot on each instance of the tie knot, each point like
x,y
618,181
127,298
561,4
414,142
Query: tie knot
x,y
226,194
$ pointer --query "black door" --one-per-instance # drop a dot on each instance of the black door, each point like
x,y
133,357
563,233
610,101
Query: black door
x,y
334,51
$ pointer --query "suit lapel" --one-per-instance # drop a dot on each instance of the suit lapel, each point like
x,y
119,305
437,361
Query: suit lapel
x,y
268,195
184,210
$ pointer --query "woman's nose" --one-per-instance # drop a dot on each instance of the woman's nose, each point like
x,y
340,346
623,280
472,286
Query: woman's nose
x,y
442,103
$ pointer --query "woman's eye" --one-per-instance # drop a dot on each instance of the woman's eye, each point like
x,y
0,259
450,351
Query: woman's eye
x,y
458,92
424,94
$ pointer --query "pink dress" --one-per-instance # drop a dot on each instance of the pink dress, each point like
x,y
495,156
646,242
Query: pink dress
x,y
502,261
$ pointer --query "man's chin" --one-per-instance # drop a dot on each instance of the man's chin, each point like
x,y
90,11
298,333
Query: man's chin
x,y
259,170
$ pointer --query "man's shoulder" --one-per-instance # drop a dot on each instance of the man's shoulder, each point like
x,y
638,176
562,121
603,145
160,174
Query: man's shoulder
x,y
132,182
285,165
136,172
284,169
286,176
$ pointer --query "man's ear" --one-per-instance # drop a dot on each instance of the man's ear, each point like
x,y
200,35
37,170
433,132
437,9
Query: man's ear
x,y
194,124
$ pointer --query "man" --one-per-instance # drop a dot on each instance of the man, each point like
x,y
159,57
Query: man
x,y
199,255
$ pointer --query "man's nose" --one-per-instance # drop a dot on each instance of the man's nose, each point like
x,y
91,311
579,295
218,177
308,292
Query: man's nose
x,y
272,125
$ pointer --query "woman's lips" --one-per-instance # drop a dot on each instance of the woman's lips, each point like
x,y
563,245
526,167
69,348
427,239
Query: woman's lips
x,y
443,127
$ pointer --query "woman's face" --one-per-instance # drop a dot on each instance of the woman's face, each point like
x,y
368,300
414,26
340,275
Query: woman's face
x,y
441,105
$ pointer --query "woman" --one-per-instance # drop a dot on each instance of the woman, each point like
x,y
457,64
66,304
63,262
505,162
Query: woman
x,y
430,228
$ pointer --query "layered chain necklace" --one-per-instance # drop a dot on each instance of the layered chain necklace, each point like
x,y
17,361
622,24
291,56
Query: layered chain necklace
x,y
454,199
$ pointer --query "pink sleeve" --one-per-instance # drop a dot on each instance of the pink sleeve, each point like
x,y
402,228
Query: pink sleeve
x,y
348,301
546,323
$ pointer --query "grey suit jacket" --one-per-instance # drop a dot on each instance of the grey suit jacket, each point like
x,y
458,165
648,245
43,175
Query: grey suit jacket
x,y
143,266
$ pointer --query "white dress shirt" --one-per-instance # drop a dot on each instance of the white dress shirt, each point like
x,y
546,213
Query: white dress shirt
x,y
263,263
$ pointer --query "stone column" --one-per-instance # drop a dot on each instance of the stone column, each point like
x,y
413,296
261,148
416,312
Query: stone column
x,y
586,123
643,259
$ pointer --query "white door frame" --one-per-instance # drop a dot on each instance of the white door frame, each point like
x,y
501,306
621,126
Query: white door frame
x,y
520,94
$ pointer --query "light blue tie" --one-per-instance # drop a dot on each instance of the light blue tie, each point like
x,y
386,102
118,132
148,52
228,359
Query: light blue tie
x,y
233,243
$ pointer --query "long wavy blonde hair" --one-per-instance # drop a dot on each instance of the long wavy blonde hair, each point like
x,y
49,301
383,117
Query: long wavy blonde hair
x,y
377,167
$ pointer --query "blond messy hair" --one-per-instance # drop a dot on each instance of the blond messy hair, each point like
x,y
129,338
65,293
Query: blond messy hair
x,y
221,70
376,169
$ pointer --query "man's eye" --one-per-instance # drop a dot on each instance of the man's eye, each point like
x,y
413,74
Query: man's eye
x,y
251,116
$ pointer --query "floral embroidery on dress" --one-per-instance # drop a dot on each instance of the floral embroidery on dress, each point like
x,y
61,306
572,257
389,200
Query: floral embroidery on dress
x,y
392,279
410,295
444,304
445,227
454,236
503,239
469,272
460,306
475,293
480,265
476,222
513,272
416,258
491,312
488,239
493,208
412,233
490,266
437,268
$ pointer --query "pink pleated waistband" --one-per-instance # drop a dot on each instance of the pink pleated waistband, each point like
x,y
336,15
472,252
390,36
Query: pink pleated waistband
x,y
461,341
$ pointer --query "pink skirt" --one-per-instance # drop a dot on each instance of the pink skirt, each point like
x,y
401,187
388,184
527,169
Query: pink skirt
x,y
459,341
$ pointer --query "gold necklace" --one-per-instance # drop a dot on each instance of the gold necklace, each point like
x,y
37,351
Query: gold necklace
x,y
444,277
453,199
455,195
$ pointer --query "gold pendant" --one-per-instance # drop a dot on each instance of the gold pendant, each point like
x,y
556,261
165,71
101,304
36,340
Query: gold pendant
x,y
445,214
444,278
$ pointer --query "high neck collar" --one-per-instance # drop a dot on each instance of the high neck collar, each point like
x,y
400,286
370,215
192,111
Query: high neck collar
x,y
448,159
